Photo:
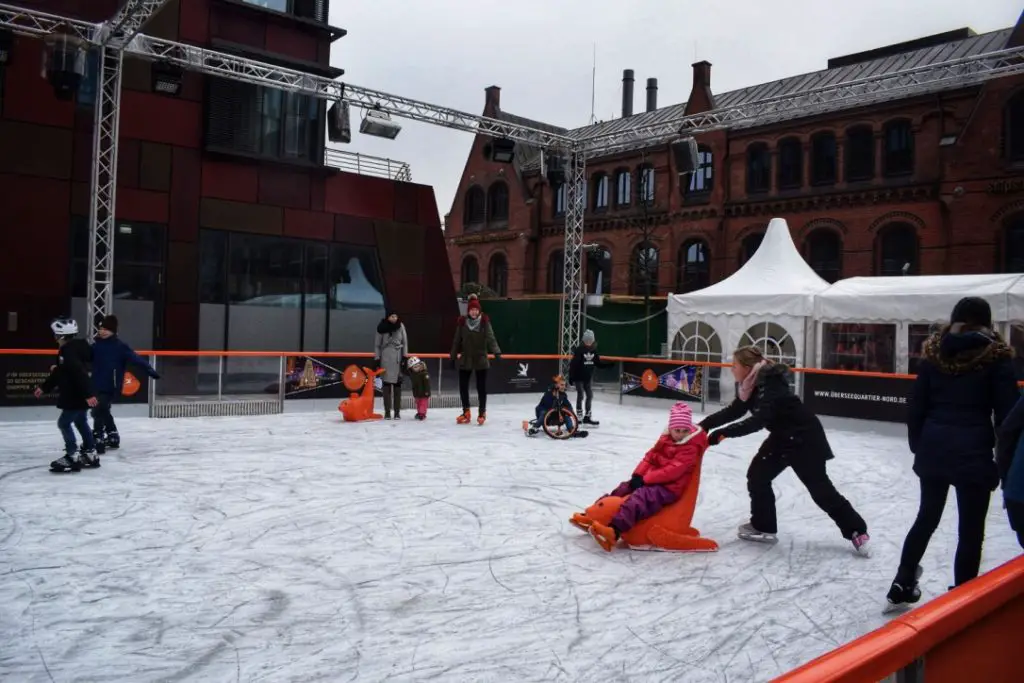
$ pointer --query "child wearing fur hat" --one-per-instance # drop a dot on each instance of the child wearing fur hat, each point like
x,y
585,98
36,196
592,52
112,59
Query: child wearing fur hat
x,y
420,379
659,480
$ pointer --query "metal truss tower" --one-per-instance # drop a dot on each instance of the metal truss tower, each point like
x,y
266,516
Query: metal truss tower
x,y
120,36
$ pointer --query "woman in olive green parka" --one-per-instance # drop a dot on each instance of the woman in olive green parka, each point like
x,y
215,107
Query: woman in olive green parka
x,y
474,340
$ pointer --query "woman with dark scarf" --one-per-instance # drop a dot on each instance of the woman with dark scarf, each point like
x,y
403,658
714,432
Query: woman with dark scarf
x,y
965,379
474,340
390,350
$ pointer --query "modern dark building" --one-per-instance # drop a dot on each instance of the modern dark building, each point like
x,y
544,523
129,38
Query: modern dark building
x,y
236,228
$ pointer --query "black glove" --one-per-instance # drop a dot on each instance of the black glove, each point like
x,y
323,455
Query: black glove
x,y
715,438
497,357
403,365
635,482
375,364
453,361
154,375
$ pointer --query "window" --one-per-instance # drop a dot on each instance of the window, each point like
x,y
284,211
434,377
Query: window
x,y
791,164
623,188
556,272
858,347
138,259
600,198
899,148
316,10
246,119
497,203
264,271
1013,244
701,180
645,191
860,153
475,211
643,280
470,271
759,168
694,264
749,246
823,158
599,271
823,251
213,275
559,205
497,274
897,247
1014,126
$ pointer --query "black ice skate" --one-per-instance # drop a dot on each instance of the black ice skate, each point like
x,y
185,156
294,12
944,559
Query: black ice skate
x,y
69,463
89,458
101,444
580,434
589,421
113,440
421,416
747,532
901,597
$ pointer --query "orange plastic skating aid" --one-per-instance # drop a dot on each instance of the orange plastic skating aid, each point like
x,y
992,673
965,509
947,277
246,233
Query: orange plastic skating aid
x,y
668,530
464,419
359,407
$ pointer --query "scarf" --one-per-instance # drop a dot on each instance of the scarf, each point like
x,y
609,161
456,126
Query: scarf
x,y
474,325
387,327
750,381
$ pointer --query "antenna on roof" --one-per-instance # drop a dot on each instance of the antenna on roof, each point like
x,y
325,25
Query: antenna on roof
x,y
593,88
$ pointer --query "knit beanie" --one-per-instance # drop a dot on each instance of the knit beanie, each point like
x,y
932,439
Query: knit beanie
x,y
474,302
109,323
681,417
588,337
972,310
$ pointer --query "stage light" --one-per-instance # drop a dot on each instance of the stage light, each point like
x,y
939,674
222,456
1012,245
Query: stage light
x,y
64,59
500,150
339,126
167,78
6,46
379,124
685,153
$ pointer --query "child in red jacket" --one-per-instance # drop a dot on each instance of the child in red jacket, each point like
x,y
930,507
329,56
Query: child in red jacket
x,y
659,479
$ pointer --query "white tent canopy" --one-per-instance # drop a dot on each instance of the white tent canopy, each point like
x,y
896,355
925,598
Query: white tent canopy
x,y
1016,302
921,298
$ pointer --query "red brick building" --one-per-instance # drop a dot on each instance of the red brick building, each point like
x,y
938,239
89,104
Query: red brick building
x,y
234,229
934,181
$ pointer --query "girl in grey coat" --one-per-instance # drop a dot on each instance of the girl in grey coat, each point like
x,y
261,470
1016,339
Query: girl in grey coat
x,y
390,350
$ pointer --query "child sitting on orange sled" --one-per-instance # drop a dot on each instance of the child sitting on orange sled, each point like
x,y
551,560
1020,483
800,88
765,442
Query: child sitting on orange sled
x,y
659,480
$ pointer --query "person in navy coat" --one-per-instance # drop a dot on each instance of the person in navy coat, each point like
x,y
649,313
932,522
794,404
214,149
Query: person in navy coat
x,y
110,355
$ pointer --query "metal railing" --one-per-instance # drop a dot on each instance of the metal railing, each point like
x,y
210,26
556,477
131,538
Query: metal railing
x,y
367,164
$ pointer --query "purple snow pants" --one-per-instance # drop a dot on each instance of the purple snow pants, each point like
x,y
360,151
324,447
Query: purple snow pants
x,y
643,503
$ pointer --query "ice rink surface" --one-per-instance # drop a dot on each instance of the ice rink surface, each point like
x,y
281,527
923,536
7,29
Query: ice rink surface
x,y
298,548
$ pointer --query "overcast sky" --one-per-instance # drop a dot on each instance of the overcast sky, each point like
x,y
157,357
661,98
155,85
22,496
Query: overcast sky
x,y
541,54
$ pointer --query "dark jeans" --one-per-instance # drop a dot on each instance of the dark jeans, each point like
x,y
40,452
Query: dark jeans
x,y
810,470
78,419
392,397
584,388
1015,512
102,419
481,388
972,507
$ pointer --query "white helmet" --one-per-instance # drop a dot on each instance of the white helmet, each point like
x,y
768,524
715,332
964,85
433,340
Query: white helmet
x,y
412,361
64,327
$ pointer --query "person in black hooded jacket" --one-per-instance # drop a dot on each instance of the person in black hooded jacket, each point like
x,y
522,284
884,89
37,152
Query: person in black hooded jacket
x,y
796,439
965,379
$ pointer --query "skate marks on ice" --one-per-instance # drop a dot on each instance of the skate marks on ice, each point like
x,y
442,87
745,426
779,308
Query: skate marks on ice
x,y
294,548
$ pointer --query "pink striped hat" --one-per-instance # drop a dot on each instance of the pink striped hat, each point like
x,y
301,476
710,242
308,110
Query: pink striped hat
x,y
681,417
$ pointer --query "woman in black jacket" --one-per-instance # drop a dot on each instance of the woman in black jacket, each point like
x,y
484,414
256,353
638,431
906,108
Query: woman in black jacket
x,y
965,379
795,439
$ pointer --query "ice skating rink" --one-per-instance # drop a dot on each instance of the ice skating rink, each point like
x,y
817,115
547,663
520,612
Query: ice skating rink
x,y
298,548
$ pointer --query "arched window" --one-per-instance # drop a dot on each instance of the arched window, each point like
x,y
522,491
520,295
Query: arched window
x,y
759,168
791,164
773,340
860,153
823,158
823,251
623,188
694,266
599,271
698,341
556,272
497,202
600,190
1015,127
497,274
559,203
749,246
470,271
1013,244
898,158
701,181
645,185
896,248
643,270
475,212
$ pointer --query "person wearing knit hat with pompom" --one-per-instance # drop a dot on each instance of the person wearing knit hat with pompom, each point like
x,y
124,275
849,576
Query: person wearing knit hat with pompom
x,y
474,340
110,356
659,480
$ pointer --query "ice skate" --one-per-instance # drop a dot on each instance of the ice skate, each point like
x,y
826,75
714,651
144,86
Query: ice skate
x,y
747,532
68,463
604,535
861,543
530,428
902,597
421,417
581,521
580,434
464,419
589,421
398,416
88,458
101,444
481,418
113,440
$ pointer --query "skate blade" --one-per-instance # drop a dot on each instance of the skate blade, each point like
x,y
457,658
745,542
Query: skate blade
x,y
759,538
658,549
896,608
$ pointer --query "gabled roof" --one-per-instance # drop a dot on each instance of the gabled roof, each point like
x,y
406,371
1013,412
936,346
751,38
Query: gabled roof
x,y
526,155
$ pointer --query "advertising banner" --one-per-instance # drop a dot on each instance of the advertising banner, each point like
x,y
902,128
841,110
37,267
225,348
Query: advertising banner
x,y
675,382
22,374
520,376
339,377
864,398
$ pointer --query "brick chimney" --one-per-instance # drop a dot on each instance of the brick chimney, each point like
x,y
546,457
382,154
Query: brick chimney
x,y
701,99
492,100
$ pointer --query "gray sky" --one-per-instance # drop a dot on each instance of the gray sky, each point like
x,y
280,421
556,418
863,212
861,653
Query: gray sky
x,y
541,54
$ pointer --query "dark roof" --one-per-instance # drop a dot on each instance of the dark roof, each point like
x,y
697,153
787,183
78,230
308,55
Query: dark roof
x,y
528,155
793,85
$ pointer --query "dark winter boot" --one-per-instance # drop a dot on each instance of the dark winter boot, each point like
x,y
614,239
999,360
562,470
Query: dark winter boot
x,y
903,593
69,463
387,389
396,395
587,420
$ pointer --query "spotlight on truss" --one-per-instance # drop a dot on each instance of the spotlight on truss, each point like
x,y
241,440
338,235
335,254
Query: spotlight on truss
x,y
339,126
379,124
684,151
166,78
500,150
64,59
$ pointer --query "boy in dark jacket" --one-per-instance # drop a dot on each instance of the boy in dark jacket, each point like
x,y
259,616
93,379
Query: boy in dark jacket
x,y
420,380
70,377
110,355
581,373
555,398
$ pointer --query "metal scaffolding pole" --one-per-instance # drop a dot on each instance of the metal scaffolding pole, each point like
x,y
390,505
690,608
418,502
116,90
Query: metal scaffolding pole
x,y
572,288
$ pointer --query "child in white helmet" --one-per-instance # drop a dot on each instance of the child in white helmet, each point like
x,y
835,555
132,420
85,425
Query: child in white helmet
x,y
420,379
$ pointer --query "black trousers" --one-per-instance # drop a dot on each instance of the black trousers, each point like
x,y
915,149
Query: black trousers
x,y
102,419
972,507
809,469
584,388
1015,512
392,397
481,388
